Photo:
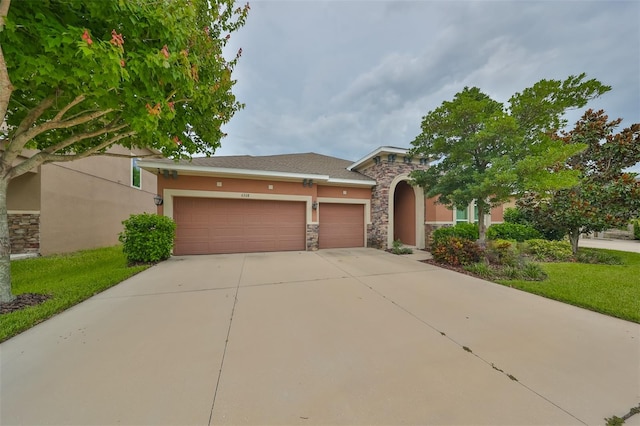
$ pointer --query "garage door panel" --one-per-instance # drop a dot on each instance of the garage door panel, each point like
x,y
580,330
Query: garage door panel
x,y
238,226
341,225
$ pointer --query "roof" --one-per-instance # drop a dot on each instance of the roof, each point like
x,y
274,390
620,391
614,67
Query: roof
x,y
291,166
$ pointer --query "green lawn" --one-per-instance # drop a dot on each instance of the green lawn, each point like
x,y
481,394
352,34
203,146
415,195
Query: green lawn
x,y
609,289
69,279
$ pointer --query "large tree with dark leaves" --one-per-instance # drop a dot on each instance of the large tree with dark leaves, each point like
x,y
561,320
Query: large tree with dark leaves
x,y
606,197
485,151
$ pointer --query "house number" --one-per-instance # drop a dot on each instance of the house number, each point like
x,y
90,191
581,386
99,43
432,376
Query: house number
x,y
244,195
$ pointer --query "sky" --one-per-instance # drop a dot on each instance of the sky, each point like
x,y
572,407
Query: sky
x,y
342,78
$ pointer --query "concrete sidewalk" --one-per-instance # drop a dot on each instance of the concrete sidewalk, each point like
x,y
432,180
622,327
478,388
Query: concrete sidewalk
x,y
622,245
331,337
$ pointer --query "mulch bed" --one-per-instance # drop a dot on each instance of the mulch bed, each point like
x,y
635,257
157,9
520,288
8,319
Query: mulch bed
x,y
459,269
22,301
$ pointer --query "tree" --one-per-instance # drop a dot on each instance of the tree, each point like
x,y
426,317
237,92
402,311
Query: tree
x,y
485,152
605,196
77,77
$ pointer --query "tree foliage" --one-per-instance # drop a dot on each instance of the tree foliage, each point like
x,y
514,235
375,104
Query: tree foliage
x,y
78,76
605,197
485,151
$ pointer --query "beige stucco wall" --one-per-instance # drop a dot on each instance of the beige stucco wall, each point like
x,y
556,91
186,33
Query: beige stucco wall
x,y
84,202
23,193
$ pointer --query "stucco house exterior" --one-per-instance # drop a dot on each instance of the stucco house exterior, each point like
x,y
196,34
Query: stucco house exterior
x,y
298,202
63,207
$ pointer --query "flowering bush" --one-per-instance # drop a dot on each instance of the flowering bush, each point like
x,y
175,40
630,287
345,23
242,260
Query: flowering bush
x,y
455,251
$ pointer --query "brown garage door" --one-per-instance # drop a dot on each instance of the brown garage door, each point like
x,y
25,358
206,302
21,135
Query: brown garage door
x,y
341,225
215,225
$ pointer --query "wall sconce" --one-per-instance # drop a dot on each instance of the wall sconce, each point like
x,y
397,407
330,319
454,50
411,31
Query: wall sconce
x,y
158,200
314,205
307,182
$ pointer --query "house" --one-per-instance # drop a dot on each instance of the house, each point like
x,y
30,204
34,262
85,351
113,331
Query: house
x,y
63,207
298,202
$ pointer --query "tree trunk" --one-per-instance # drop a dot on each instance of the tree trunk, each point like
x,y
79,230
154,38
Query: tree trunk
x,y
5,246
482,228
574,237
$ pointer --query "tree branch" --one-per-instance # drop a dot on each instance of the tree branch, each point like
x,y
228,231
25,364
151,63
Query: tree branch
x,y
16,145
82,136
45,157
71,104
51,124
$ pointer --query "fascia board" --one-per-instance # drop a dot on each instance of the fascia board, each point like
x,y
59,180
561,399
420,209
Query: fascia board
x,y
204,170
351,182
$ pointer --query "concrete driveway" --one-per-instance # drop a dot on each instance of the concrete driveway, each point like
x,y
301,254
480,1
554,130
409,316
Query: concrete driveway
x,y
331,337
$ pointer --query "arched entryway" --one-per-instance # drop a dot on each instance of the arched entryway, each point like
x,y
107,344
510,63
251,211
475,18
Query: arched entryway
x,y
404,214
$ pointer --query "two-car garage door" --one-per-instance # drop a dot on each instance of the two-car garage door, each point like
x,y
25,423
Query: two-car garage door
x,y
221,225
217,225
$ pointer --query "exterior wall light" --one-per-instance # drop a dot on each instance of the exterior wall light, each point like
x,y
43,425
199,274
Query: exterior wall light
x,y
158,200
314,205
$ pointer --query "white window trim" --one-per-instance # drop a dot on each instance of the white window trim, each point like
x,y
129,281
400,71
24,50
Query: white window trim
x,y
131,165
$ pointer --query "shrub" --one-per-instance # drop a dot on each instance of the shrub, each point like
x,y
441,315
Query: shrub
x,y
598,256
147,238
398,249
636,229
481,270
456,251
502,252
549,250
512,231
533,272
514,215
468,231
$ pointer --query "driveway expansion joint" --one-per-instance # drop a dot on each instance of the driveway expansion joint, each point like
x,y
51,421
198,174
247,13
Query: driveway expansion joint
x,y
226,342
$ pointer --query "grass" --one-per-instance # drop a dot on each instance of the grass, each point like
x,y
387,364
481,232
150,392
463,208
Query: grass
x,y
69,279
609,289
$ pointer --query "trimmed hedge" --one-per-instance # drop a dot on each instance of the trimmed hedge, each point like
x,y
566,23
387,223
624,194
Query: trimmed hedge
x,y
467,231
512,231
147,238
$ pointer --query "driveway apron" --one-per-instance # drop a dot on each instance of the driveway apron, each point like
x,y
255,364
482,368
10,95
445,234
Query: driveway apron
x,y
349,336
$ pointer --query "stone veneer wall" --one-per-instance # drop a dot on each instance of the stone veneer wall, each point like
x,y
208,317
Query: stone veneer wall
x,y
24,232
312,237
384,172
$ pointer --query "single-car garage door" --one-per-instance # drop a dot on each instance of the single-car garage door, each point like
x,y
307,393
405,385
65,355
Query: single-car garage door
x,y
217,225
341,225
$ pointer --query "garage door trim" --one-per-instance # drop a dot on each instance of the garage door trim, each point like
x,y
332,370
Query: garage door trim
x,y
168,195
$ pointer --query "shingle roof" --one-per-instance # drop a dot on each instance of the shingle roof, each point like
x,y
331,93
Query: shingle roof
x,y
309,163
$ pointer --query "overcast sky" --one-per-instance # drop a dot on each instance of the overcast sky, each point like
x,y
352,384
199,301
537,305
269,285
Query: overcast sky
x,y
342,78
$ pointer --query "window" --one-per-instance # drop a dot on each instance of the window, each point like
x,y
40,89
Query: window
x,y
136,173
475,212
462,215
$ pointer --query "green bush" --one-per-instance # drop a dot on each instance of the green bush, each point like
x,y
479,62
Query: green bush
x,y
468,231
636,229
398,249
512,231
559,251
533,272
481,270
514,215
502,252
456,251
147,238
586,255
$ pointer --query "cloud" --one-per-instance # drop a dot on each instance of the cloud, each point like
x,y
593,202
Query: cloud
x,y
344,77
